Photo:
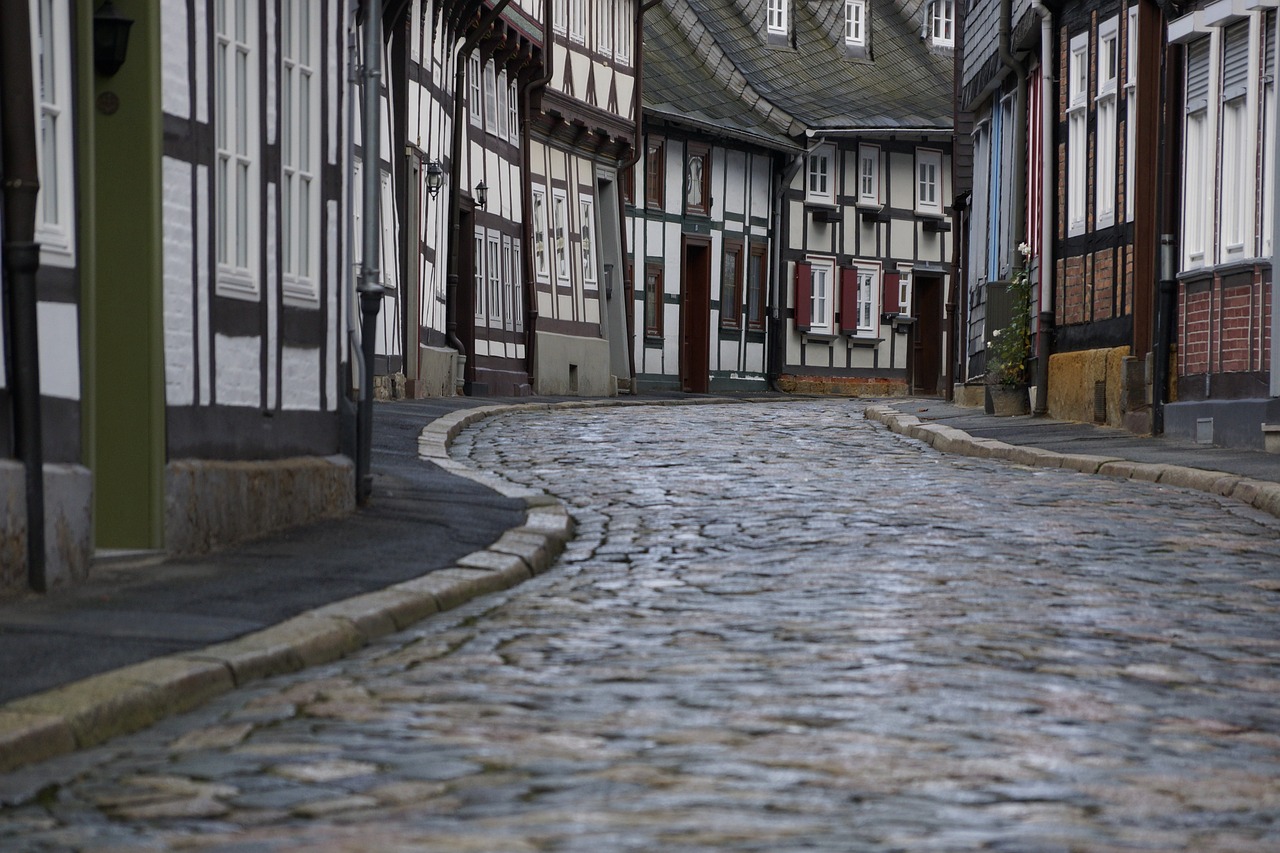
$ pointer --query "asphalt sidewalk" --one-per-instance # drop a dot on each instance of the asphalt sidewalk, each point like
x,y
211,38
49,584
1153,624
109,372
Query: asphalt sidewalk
x,y
139,642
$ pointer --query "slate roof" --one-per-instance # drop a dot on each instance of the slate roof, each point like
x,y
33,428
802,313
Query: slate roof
x,y
708,63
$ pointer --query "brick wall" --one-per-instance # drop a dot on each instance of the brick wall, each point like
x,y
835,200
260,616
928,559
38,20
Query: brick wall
x,y
1224,324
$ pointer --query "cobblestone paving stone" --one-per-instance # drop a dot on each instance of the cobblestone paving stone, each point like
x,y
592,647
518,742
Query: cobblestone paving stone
x,y
781,627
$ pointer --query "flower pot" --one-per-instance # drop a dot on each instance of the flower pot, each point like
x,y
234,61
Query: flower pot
x,y
1007,400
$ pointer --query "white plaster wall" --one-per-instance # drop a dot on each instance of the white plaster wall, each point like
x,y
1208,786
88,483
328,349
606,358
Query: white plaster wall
x,y
300,369
239,370
175,96
179,304
59,330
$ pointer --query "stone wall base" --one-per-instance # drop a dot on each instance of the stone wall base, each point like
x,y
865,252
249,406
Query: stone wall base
x,y
844,386
68,525
211,504
569,366
1080,381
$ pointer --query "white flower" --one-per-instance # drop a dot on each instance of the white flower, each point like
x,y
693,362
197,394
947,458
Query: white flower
x,y
1025,250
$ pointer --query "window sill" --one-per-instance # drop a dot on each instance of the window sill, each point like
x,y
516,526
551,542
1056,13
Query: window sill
x,y
820,335
863,340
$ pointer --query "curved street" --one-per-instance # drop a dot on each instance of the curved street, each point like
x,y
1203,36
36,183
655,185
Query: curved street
x,y
780,627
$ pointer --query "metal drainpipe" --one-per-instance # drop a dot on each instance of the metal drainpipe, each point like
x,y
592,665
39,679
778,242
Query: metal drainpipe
x,y
777,322
455,185
22,259
1047,197
371,289
526,158
1170,191
350,417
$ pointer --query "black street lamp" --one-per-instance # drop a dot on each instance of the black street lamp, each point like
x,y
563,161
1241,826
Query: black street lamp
x,y
110,39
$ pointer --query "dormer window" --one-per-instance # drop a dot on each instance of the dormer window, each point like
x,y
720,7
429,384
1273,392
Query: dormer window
x,y
855,23
942,23
778,23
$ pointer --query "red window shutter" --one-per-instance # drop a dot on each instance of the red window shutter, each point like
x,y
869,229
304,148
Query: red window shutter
x,y
804,296
890,303
849,300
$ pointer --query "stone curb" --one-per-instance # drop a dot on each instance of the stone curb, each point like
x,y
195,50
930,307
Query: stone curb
x,y
92,710
1259,494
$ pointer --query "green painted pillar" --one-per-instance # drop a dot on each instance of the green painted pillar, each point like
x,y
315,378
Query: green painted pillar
x,y
121,266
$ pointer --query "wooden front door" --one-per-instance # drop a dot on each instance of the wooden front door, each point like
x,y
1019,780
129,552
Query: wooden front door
x,y
927,347
695,316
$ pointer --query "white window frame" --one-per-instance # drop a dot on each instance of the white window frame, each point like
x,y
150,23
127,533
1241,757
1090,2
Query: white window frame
x,y
517,288
513,114
904,289
478,277
587,238
868,301
415,30
942,23
475,87
490,97
501,116
855,23
54,116
1198,150
1130,111
560,234
869,174
560,16
1267,126
578,21
541,231
928,182
777,19
820,175
823,285
300,152
509,278
604,28
236,161
493,277
626,33
1077,134
1238,178
1105,94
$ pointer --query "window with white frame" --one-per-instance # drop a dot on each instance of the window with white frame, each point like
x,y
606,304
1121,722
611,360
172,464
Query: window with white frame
x,y
904,289
577,20
1238,165
236,163
626,33
1196,154
868,297
855,23
822,284
475,103
821,181
299,151
777,22
942,23
541,251
509,288
477,293
513,115
493,271
587,226
604,27
51,54
490,97
560,229
1077,133
1105,94
929,182
517,290
1130,111
501,121
869,174
560,16
1267,124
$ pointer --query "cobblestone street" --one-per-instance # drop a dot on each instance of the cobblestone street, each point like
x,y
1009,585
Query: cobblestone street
x,y
780,627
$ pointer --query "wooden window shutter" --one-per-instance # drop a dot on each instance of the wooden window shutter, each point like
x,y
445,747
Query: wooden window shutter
x,y
849,300
804,296
890,302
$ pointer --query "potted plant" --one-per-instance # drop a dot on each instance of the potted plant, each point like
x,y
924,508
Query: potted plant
x,y
1009,348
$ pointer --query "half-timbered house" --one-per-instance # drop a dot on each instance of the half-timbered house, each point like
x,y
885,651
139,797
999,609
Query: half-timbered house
x,y
838,151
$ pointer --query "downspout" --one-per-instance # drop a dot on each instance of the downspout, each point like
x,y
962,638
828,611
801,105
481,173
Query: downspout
x,y
22,260
455,186
371,289
1048,112
1174,98
349,427
526,169
637,110
777,322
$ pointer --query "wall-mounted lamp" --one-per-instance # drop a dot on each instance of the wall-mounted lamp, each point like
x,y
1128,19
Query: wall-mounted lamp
x,y
110,39
435,178
482,194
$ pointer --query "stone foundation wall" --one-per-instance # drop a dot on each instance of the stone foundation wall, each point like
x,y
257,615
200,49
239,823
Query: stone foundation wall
x,y
1073,378
211,504
843,386
68,527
